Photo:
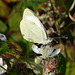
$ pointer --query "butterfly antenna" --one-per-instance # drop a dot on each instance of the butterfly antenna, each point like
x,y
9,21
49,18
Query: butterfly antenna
x,y
60,37
55,40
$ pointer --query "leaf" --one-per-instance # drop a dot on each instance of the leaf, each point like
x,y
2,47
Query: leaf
x,y
33,4
14,35
15,17
31,65
4,9
14,21
70,50
3,27
61,68
70,68
67,4
10,49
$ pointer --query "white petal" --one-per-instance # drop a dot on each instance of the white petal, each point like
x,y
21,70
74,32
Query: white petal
x,y
1,61
56,52
35,49
2,71
42,57
5,66
49,50
47,47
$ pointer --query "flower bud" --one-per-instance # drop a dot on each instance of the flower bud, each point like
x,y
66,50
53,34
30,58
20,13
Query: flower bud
x,y
3,37
38,60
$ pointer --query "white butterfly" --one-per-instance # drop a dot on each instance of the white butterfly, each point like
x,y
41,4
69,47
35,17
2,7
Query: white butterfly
x,y
32,29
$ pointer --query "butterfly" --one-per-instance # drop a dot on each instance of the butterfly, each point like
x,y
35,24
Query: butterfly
x,y
32,29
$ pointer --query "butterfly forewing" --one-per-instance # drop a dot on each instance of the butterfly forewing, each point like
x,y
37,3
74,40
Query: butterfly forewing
x,y
31,32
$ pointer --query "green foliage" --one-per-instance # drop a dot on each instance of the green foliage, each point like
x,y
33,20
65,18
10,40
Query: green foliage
x,y
10,49
61,68
33,4
3,27
68,4
70,68
11,12
4,9
20,69
37,69
3,47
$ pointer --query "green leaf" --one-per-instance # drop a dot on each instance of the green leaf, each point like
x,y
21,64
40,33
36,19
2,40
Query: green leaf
x,y
15,17
70,69
68,4
4,9
14,21
61,68
11,49
3,27
31,65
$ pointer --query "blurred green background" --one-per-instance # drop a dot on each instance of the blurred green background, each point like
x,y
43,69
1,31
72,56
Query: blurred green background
x,y
54,16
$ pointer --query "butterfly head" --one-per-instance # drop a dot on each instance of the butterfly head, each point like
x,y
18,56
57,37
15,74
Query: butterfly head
x,y
47,41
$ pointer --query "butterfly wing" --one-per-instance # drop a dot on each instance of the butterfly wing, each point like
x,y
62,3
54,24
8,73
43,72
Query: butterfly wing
x,y
30,15
31,32
31,28
28,12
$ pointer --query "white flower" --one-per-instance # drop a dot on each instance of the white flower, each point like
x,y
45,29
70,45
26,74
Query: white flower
x,y
4,66
3,37
46,51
